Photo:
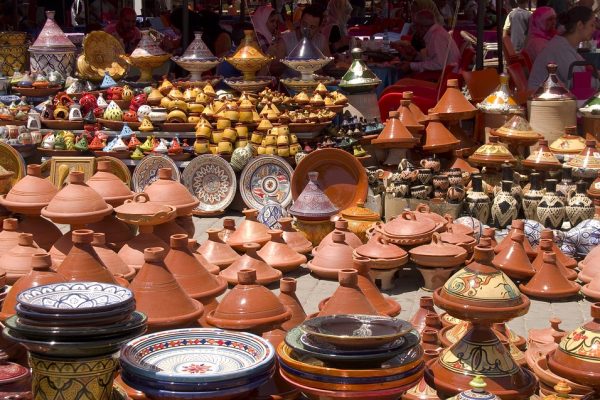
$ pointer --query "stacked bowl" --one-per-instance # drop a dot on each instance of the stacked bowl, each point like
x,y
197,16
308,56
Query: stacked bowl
x,y
352,356
197,363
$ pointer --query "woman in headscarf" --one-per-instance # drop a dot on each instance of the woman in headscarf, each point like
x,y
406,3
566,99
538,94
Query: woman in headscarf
x,y
335,26
265,20
542,28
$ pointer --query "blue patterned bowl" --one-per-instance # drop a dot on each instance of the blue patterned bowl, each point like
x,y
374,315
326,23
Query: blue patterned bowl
x,y
197,355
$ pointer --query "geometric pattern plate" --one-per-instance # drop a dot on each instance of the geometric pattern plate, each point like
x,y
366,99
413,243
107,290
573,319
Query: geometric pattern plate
x,y
266,176
146,171
212,180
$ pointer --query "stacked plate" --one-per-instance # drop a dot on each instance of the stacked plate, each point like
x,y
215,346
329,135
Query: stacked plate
x,y
345,356
197,363
79,319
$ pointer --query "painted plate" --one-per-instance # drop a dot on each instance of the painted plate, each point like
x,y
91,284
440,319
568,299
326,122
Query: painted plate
x,y
212,180
12,161
146,171
75,297
264,176
118,168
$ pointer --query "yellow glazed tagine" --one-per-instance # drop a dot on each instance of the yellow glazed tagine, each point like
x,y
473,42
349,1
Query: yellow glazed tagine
x,y
248,58
360,219
147,56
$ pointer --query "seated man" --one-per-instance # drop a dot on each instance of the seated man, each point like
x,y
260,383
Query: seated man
x,y
438,43
312,17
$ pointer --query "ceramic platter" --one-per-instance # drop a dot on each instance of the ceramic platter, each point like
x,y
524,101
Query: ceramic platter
x,y
146,171
75,297
12,161
264,176
212,180
341,176
118,168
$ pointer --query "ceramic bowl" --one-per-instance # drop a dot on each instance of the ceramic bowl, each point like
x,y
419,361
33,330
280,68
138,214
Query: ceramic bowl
x,y
197,354
82,319
356,331
75,297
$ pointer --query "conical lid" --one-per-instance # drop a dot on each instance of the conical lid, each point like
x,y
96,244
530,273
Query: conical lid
x,y
517,127
359,74
449,254
159,296
553,88
492,153
110,259
542,158
544,246
147,47
438,139
216,251
425,307
197,282
348,298
30,194
313,203
279,254
501,99
383,304
16,262
395,135
197,50
331,257
548,282
513,260
567,261
248,48
287,297
462,164
112,189
52,37
350,238
379,248
586,159
248,306
249,231
406,225
265,274
517,225
296,240
305,49
413,107
9,235
408,118
453,104
168,192
569,143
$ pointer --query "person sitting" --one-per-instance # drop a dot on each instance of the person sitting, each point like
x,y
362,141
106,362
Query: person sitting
x,y
266,21
337,15
542,28
579,24
125,30
440,49
516,25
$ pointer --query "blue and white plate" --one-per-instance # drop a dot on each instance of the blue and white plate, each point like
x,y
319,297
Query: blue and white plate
x,y
75,297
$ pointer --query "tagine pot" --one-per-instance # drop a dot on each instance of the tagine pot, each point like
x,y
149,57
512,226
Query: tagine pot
x,y
548,282
265,274
110,258
210,267
513,259
279,254
341,225
331,258
453,105
9,235
16,262
348,298
52,49
295,239
360,219
112,189
565,260
249,231
166,191
425,307
544,246
216,251
287,297
30,194
44,232
382,254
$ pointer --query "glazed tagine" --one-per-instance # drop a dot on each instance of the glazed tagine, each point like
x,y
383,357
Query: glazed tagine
x,y
147,56
248,58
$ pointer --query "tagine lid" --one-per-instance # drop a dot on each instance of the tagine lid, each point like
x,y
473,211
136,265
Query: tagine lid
x,y
52,37
395,134
492,152
141,209
553,88
313,203
108,185
569,143
249,48
453,104
586,159
379,248
501,99
197,50
438,248
31,193
167,191
517,127
305,50
406,225
360,212
542,157
147,46
359,72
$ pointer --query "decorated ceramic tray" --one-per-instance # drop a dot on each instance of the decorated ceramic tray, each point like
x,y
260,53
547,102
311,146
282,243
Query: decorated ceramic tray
x,y
77,297
74,319
118,168
197,354
341,176
146,171
13,161
266,176
212,180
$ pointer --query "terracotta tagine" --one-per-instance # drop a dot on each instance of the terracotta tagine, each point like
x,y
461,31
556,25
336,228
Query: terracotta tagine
x,y
116,232
565,260
166,191
482,295
210,267
592,289
542,158
112,189
453,105
331,258
16,262
265,274
216,251
546,246
287,297
228,229
381,253
249,231
422,211
313,204
438,139
9,235
420,117
490,233
409,119
279,254
549,283
492,154
407,230
513,259
110,259
341,225
589,267
425,307
395,134
517,131
467,242
568,144
348,298
360,219
546,335
160,297
296,240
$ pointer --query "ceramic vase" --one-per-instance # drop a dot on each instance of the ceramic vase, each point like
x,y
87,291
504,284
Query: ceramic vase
x,y
532,197
566,187
580,206
504,208
270,212
551,209
477,201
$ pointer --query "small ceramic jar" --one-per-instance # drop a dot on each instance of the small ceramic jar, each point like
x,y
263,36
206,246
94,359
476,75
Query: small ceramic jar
x,y
158,114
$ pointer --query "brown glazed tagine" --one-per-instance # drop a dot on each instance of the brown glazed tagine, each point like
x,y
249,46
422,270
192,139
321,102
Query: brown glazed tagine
x,y
409,119
249,231
567,261
548,282
16,262
513,260
348,298
341,225
517,225
287,297
216,251
296,240
416,111
423,211
381,253
425,307
160,297
280,255
395,134
331,258
453,105
482,295
110,259
265,274
168,192
438,139
360,219
406,230
112,189
546,245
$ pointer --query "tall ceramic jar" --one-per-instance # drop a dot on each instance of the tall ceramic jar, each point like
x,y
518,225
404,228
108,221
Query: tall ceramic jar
x,y
565,188
477,201
580,206
551,209
532,197
52,50
504,207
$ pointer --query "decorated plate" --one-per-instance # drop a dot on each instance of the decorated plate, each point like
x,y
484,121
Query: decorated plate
x,y
75,297
118,168
265,176
146,171
13,161
212,180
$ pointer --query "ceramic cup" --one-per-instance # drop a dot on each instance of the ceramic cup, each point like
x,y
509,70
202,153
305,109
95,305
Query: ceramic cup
x,y
418,192
425,175
441,182
432,163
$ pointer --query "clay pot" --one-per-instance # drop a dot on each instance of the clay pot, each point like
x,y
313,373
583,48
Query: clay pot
x,y
187,223
420,117
39,274
228,229
546,245
452,237
132,253
453,104
168,229
9,235
279,255
513,260
16,262
381,253
248,305
406,230
348,298
438,254
168,192
216,251
341,225
76,203
395,134
425,307
517,225
160,297
249,231
429,339
564,259
265,274
546,335
313,204
423,211
44,232
589,266
110,259
112,189
314,231
359,219
551,209
438,139
296,240
408,118
29,195
83,264
331,258
287,297
116,232
548,282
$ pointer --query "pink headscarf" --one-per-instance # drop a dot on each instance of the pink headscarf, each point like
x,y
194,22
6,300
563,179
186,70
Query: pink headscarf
x,y
259,20
537,23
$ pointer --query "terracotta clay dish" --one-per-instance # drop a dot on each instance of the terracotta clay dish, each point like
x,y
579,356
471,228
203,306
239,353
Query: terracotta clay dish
x,y
438,254
407,230
341,176
381,253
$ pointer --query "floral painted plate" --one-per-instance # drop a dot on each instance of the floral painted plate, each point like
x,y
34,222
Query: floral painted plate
x,y
212,180
266,176
146,171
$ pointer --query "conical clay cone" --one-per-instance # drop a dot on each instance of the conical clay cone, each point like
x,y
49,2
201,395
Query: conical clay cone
x,y
210,267
438,139
416,111
113,262
546,245
249,231
265,274
348,298
296,240
279,255
216,251
453,102
133,251
9,236
44,232
518,225
160,297
168,229
513,260
17,261
197,282
549,283
425,307
287,297
565,260
116,232
408,119
341,225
